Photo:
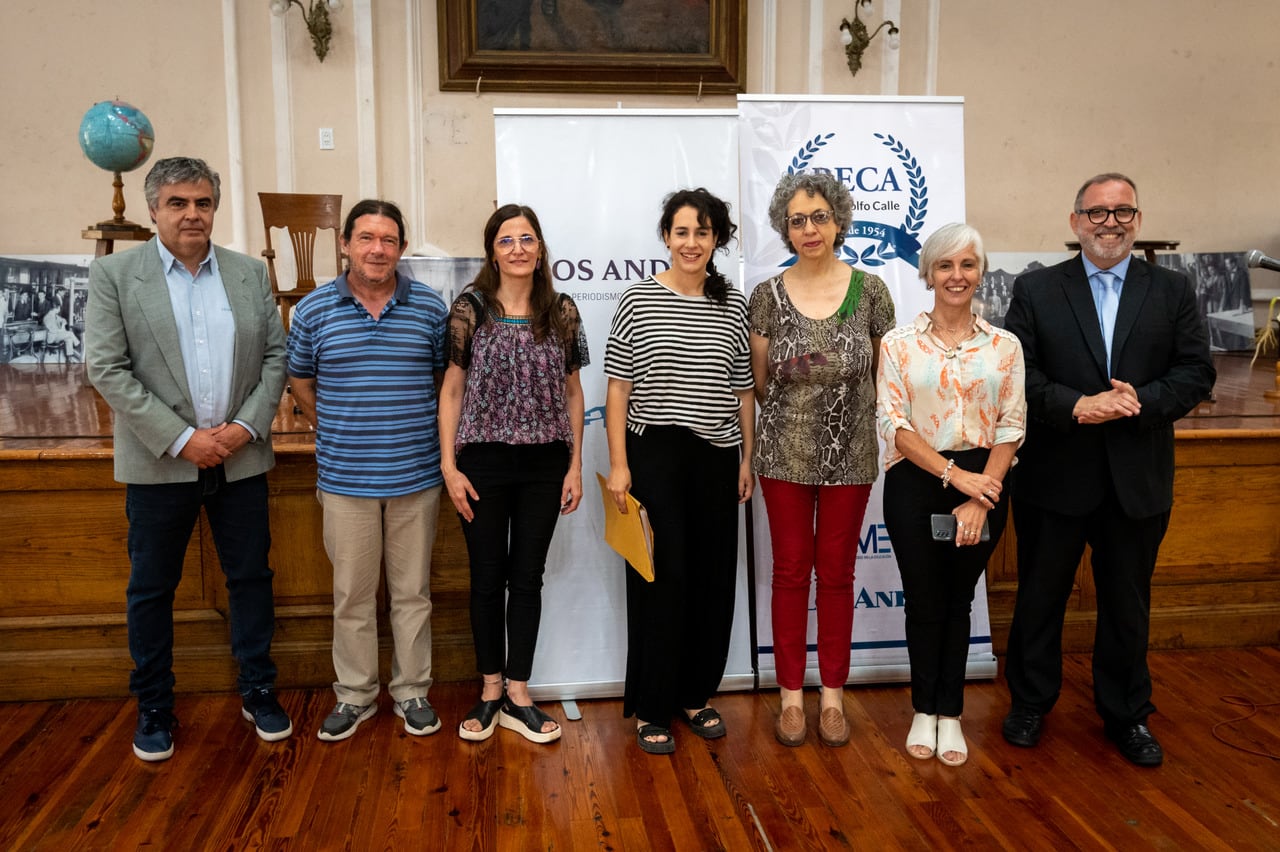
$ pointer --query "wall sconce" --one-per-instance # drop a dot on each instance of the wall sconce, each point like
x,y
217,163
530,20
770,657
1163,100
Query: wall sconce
x,y
854,36
316,14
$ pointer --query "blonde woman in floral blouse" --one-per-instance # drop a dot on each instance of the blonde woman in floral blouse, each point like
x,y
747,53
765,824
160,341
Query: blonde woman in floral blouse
x,y
815,333
952,411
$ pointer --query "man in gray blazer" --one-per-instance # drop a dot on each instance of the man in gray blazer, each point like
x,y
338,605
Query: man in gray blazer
x,y
184,343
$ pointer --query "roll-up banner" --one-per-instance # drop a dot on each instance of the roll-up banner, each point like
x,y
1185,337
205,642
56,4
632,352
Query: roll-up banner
x,y
596,179
903,161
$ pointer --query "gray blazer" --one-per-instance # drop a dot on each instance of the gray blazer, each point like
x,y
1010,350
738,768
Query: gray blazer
x,y
135,362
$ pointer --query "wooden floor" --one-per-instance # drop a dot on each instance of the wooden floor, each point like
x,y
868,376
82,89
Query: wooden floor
x,y
68,779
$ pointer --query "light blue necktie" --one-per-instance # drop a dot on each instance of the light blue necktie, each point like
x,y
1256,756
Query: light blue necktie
x,y
1107,309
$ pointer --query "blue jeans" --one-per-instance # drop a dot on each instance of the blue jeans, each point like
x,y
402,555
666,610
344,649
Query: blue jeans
x,y
161,518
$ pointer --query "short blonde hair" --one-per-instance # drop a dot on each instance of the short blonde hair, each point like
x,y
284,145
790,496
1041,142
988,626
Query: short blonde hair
x,y
948,240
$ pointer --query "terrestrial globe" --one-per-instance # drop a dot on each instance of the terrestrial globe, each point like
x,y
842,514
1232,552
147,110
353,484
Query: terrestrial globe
x,y
116,136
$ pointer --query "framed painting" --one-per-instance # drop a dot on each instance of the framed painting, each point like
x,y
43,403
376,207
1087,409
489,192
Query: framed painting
x,y
646,46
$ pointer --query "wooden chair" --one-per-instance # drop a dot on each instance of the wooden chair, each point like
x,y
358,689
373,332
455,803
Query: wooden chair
x,y
301,215
21,339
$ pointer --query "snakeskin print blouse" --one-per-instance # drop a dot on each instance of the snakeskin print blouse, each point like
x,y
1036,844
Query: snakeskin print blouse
x,y
817,422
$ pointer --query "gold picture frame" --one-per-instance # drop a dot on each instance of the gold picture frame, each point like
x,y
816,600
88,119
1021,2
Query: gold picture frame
x,y
529,46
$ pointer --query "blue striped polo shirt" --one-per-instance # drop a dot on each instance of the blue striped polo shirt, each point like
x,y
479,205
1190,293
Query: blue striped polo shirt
x,y
375,386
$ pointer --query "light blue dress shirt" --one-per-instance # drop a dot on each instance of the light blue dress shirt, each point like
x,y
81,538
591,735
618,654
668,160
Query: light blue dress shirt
x,y
1120,270
206,339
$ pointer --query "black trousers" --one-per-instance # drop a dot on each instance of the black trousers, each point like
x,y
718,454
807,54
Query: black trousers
x,y
678,626
507,541
938,578
1124,558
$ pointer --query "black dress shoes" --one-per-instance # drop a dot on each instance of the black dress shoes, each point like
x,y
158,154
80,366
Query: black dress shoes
x,y
1136,743
1022,727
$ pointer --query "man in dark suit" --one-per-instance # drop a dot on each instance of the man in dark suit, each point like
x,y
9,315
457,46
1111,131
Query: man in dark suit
x,y
184,343
1115,352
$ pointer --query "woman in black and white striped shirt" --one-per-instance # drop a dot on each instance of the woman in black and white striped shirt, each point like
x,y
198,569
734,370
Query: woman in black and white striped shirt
x,y
680,418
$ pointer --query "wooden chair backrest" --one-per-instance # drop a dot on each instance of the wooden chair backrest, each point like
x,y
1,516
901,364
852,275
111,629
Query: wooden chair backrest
x,y
301,215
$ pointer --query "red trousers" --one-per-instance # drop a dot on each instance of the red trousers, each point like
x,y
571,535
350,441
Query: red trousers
x,y
815,531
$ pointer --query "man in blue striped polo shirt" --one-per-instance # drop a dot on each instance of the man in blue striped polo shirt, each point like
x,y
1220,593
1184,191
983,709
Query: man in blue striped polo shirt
x,y
365,356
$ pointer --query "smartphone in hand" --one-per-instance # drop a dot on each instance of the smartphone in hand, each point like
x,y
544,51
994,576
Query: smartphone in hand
x,y
944,528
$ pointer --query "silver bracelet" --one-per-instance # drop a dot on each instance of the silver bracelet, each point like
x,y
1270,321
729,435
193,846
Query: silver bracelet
x,y
946,472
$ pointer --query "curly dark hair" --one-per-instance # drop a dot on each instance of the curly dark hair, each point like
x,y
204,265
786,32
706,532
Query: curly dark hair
x,y
543,300
812,183
713,213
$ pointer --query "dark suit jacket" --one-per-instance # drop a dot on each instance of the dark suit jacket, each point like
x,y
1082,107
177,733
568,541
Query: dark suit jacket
x,y
135,362
1159,346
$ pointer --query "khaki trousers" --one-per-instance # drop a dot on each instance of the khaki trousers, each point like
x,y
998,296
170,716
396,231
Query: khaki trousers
x,y
361,535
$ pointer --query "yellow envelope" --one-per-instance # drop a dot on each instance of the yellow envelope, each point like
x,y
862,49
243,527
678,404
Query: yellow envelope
x,y
630,534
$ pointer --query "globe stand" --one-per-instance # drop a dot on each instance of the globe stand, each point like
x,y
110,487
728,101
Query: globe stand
x,y
116,228
118,222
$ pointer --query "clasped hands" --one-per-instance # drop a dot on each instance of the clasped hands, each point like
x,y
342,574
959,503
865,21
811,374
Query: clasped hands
x,y
211,446
1120,401
983,492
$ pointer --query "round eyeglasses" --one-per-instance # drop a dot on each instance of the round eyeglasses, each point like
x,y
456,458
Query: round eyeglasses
x,y
817,217
1099,215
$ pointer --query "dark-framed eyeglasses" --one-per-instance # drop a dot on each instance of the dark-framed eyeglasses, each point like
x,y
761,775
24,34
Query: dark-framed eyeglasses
x,y
506,245
1098,215
817,217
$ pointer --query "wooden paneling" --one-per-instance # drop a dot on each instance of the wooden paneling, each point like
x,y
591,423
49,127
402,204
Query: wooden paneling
x,y
64,567
64,564
1217,581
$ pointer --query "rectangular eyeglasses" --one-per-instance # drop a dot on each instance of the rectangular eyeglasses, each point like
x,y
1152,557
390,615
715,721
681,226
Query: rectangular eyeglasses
x,y
1098,215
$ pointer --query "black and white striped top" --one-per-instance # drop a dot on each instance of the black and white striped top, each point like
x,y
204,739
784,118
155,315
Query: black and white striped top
x,y
685,356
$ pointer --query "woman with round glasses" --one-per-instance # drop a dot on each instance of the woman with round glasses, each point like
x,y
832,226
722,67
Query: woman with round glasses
x,y
952,411
815,332
679,416
511,417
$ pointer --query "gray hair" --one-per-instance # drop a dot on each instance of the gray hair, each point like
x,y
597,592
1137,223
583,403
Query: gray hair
x,y
173,170
1105,177
947,241
812,183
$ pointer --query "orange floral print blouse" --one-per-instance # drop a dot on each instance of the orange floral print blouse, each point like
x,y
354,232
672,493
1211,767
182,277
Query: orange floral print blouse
x,y
956,398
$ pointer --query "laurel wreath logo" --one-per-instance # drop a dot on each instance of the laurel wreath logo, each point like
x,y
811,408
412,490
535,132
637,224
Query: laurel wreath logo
x,y
915,175
807,152
878,253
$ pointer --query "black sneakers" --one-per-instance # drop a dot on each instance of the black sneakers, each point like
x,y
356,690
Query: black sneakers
x,y
152,739
261,708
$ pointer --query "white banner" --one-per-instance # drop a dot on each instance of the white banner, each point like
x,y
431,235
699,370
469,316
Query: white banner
x,y
903,160
596,179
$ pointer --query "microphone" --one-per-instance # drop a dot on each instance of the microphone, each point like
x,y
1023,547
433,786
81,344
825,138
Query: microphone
x,y
1258,259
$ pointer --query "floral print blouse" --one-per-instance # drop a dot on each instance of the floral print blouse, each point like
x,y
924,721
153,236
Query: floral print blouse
x,y
515,384
955,398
